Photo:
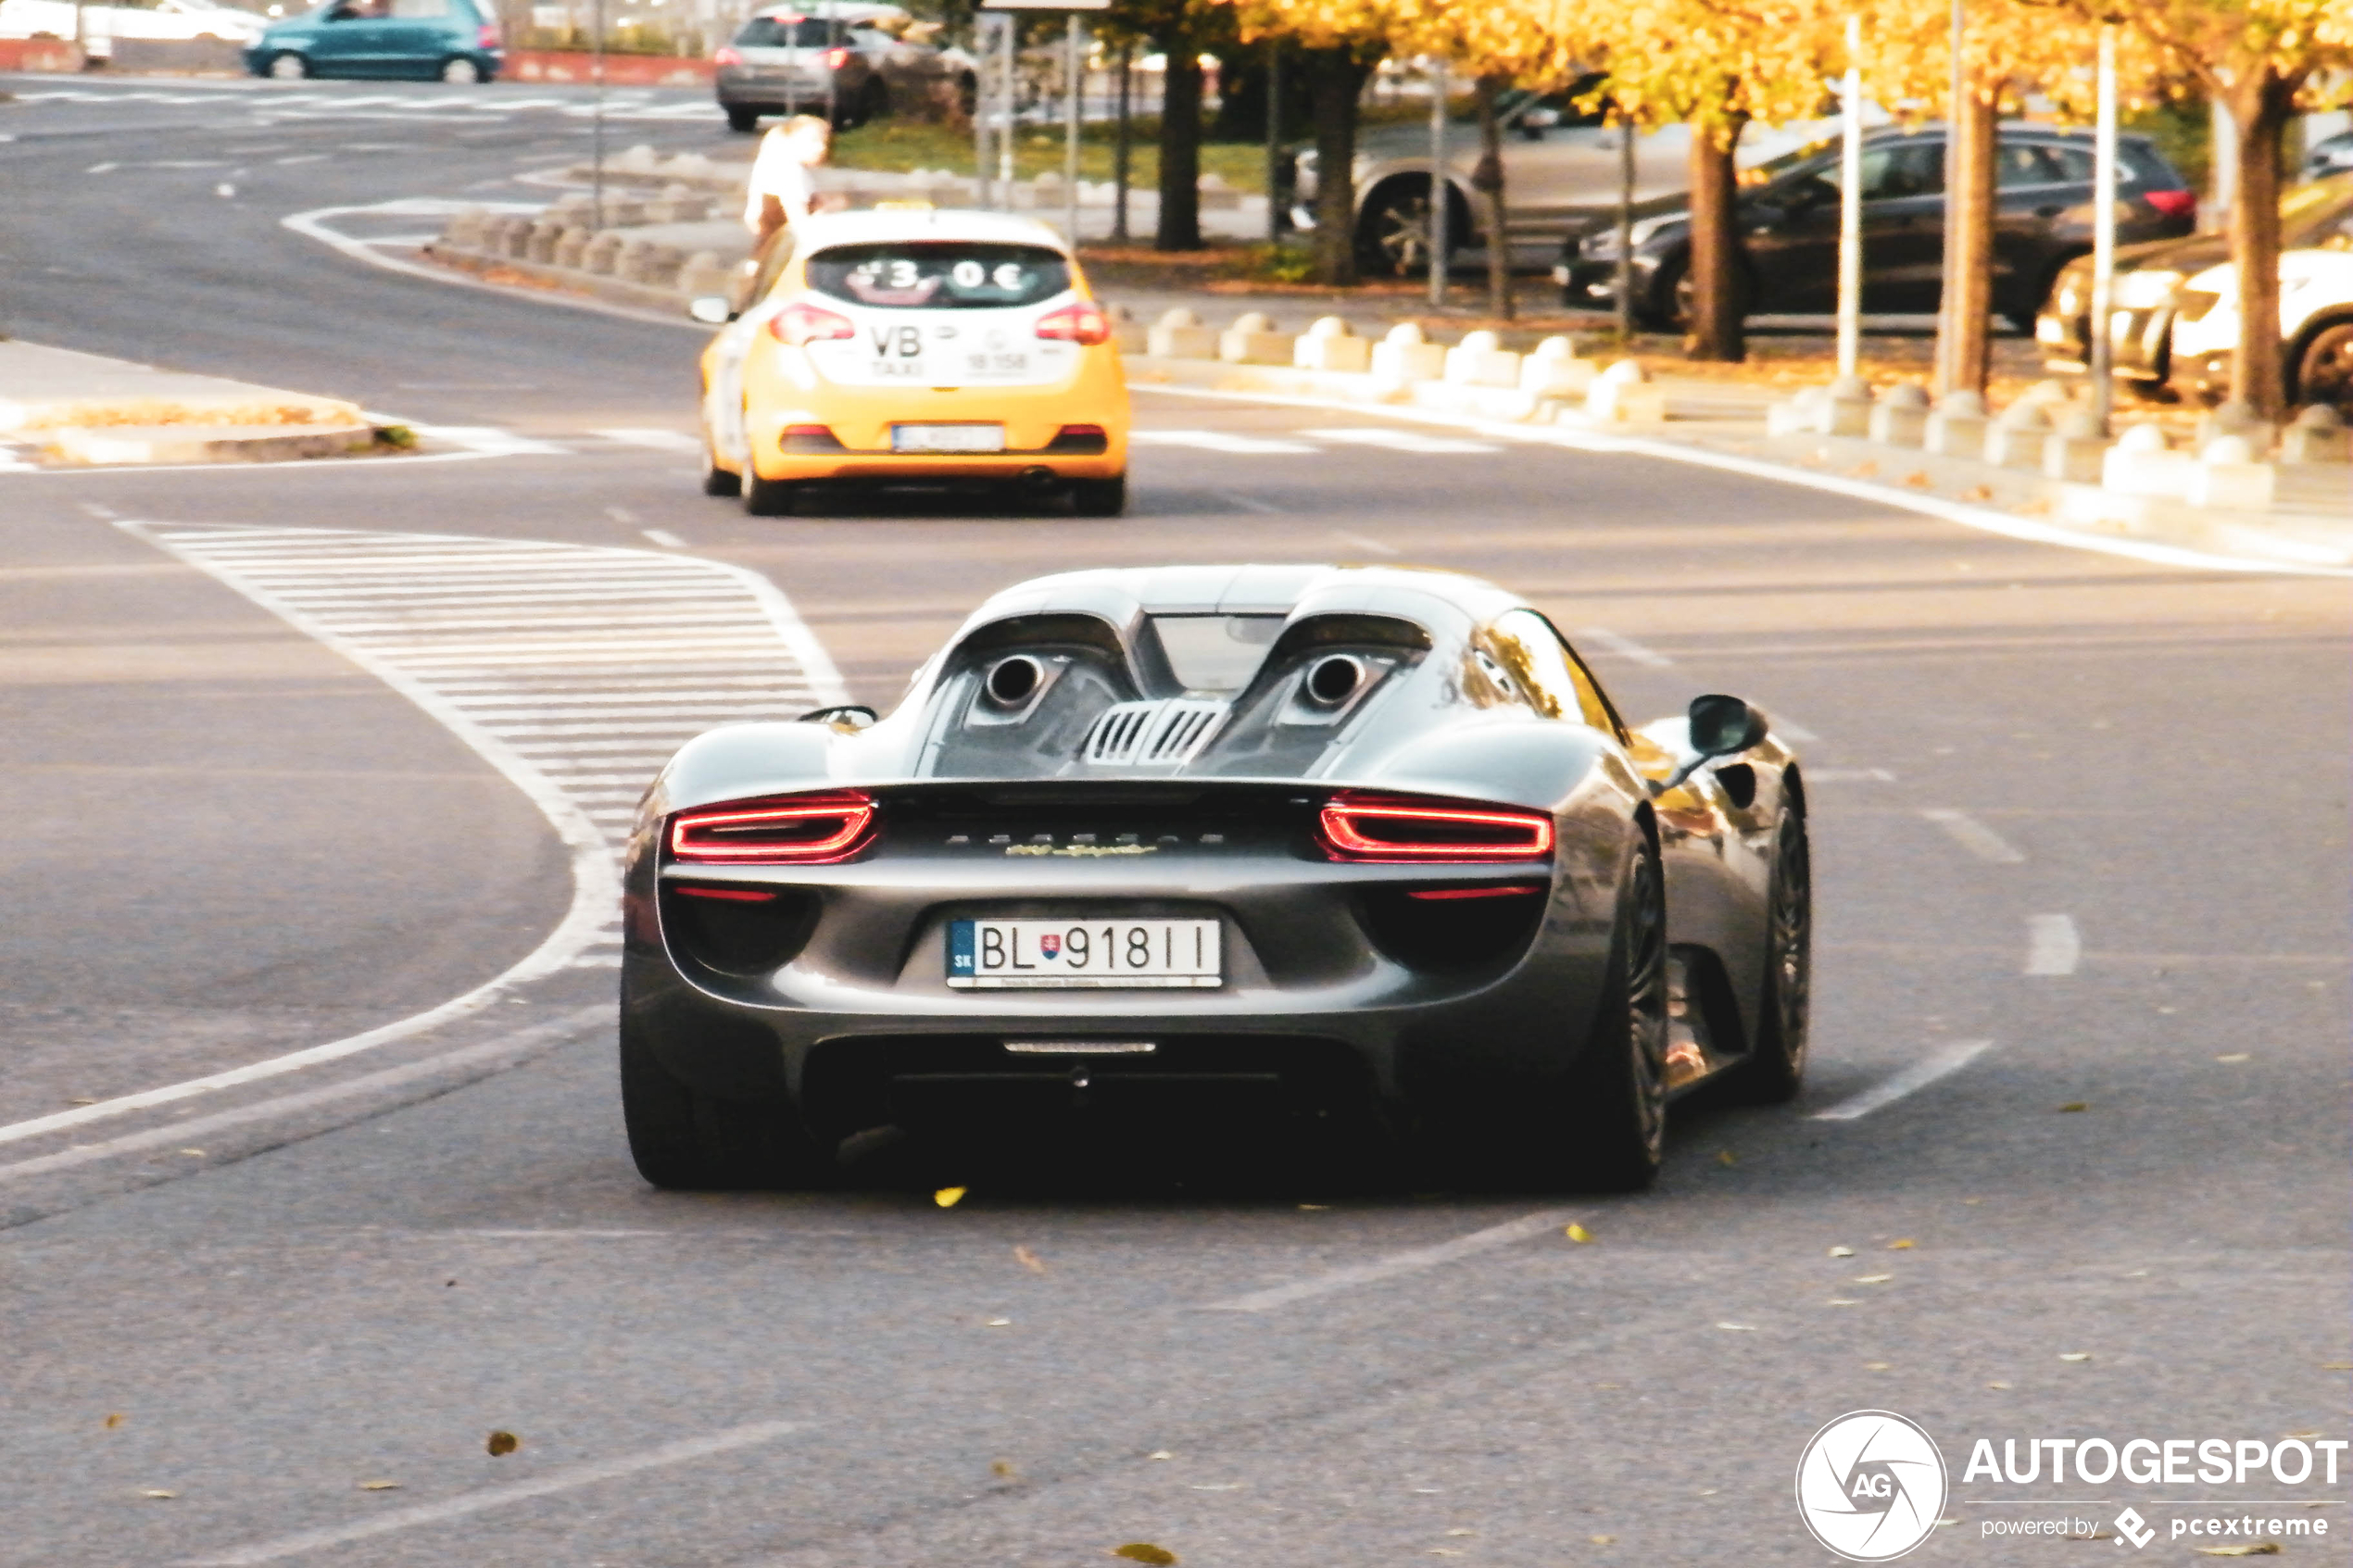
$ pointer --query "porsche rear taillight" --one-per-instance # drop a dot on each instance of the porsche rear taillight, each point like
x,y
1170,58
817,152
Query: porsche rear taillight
x,y
802,322
784,830
1413,830
1081,323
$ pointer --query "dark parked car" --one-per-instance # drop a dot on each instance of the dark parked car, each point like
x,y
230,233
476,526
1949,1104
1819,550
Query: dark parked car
x,y
455,40
1788,223
854,62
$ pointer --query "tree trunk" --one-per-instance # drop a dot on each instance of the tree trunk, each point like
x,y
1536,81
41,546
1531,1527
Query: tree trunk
x,y
2261,107
1716,329
1488,181
1964,328
1335,79
1180,148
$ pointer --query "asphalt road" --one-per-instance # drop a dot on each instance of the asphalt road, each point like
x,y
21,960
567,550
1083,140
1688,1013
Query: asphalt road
x,y
2088,812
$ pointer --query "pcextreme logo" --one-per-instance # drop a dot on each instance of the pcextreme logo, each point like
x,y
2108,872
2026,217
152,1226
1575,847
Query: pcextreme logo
x,y
1871,1486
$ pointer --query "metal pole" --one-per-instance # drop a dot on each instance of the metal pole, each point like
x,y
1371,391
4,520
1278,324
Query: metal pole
x,y
1119,160
1624,229
597,128
2104,235
1949,375
1005,120
1074,85
1274,141
1437,182
1850,209
833,37
980,110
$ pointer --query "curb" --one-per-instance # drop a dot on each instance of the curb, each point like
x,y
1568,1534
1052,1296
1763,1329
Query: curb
x,y
111,445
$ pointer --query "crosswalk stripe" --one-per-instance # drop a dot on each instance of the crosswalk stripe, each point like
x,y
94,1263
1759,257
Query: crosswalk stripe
x,y
592,715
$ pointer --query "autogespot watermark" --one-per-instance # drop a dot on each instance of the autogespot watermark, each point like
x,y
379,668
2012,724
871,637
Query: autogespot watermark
x,y
1872,1484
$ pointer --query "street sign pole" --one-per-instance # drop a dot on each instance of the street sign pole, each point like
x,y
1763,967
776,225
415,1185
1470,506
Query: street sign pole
x,y
2103,346
1008,62
597,127
1850,209
1074,80
1120,154
1437,183
1074,87
1273,140
1625,228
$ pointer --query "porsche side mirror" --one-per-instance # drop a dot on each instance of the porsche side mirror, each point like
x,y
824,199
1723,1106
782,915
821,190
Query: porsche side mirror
x,y
1720,726
710,309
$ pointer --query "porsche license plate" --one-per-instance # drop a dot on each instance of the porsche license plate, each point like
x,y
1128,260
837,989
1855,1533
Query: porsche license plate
x,y
948,438
1016,955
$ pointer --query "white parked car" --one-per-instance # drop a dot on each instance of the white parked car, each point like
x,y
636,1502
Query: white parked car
x,y
101,25
2316,320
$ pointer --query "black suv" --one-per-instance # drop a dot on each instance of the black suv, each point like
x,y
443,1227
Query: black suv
x,y
1788,226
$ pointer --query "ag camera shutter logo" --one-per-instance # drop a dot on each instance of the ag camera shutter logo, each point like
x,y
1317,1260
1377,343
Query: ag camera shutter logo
x,y
1871,1486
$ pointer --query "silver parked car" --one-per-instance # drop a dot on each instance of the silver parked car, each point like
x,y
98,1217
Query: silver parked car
x,y
852,63
1560,170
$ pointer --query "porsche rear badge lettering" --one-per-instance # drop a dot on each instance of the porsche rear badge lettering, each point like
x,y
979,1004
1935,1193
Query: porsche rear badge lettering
x,y
1083,851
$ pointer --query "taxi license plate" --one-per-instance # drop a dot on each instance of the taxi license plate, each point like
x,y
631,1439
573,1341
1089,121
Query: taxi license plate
x,y
1018,955
948,438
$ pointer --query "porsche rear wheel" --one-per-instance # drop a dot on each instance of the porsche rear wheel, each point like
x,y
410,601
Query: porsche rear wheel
x,y
1777,1065
1614,1115
697,1142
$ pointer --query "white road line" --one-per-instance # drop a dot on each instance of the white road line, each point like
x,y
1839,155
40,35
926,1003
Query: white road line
x,y
1360,542
1399,440
659,440
1220,441
1627,647
503,1049
1849,775
1936,1064
1974,835
665,538
2052,945
1790,729
1397,1263
498,1497
1252,503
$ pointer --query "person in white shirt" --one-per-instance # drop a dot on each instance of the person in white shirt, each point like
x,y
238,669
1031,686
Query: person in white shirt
x,y
782,192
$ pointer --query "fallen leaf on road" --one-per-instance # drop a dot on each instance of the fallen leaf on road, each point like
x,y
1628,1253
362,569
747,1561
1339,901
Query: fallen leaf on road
x,y
81,1102
999,1322
380,1485
114,1419
1003,1469
1739,1327
1159,1453
948,1197
198,1152
1842,1253
1917,481
1873,1279
502,1442
2336,1366
1030,1259
1843,1301
1997,1385
2235,1056
2075,1355
1878,1366
1602,1540
1217,1486
1144,1551
1977,493
2074,1105
1723,1157
1578,1233
2252,1549
1443,1551
159,1496
1462,1532
2299,1436
1313,1208
1902,1244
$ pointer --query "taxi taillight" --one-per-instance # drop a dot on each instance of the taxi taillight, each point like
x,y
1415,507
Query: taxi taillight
x,y
1081,323
802,322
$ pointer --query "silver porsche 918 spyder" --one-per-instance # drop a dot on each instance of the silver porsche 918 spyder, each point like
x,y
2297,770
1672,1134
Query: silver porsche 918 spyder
x,y
1294,841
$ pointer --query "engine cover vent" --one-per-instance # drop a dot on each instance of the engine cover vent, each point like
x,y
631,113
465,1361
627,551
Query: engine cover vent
x,y
1167,733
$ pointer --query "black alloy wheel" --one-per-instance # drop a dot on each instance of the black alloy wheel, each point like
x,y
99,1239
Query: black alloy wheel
x,y
1392,238
1675,297
1777,1065
696,1142
2324,371
1616,1105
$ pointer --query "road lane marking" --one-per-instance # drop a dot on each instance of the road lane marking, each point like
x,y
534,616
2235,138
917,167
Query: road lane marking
x,y
1974,836
657,440
1251,503
792,670
1220,441
1396,439
1415,1261
506,1049
663,537
2052,945
1790,729
1627,647
1849,775
562,1480
1936,1064
490,441
1360,542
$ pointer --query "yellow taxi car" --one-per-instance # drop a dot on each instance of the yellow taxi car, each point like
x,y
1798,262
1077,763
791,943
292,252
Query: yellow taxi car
x,y
916,347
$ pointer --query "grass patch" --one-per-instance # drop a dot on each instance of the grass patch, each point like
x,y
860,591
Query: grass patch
x,y
895,145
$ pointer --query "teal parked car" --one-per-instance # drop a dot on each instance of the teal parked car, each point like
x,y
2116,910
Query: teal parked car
x,y
454,40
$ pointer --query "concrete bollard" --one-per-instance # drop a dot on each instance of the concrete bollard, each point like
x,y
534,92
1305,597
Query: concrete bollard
x,y
463,231
508,236
2233,418
2016,440
1900,419
1407,354
1480,359
1556,369
639,159
597,254
569,246
2230,474
1253,340
1847,410
1623,395
2075,450
703,274
1956,427
2317,435
1801,413
2142,463
540,246
658,268
1178,335
629,262
1329,344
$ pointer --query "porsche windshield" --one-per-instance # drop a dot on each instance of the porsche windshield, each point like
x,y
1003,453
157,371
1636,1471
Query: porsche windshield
x,y
939,275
